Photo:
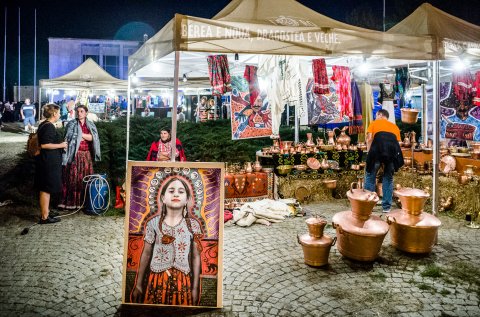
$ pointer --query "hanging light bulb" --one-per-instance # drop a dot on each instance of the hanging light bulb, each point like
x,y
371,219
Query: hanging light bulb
x,y
236,57
185,78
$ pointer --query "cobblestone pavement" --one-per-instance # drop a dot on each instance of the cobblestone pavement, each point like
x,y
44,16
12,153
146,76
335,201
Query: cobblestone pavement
x,y
74,268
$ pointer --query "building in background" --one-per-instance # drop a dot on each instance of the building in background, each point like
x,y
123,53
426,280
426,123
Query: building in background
x,y
66,54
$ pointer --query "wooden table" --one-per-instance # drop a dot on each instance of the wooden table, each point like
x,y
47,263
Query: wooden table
x,y
421,157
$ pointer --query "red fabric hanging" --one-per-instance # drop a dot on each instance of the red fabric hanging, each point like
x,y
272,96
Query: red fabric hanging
x,y
251,76
320,77
219,74
476,98
341,75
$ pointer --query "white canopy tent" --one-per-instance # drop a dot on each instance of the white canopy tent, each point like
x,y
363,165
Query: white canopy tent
x,y
253,27
89,75
455,39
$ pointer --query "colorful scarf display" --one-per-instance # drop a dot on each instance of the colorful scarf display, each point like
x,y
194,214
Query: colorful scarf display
x,y
356,123
476,98
320,77
251,76
219,74
463,86
341,75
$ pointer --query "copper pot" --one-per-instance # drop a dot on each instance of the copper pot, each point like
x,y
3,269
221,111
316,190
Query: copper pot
x,y
362,202
316,246
343,138
413,233
409,116
475,146
412,199
359,240
330,183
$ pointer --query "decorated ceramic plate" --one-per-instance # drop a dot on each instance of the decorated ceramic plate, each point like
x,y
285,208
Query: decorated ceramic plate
x,y
313,163
447,164
333,164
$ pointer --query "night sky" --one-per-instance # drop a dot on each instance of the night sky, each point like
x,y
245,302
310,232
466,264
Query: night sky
x,y
123,19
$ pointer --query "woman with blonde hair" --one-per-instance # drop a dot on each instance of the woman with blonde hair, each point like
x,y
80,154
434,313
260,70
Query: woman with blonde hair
x,y
48,176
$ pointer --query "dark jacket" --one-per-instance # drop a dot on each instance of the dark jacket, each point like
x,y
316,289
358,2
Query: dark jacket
x,y
384,148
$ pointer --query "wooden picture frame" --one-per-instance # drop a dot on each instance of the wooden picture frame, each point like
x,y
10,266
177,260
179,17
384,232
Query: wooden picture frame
x,y
177,263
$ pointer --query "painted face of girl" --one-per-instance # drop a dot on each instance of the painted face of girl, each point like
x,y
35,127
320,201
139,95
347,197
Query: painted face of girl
x,y
175,195
164,135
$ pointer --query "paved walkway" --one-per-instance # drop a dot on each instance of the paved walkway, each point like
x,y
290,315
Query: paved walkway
x,y
74,268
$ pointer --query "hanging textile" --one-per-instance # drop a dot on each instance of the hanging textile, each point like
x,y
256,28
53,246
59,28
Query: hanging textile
x,y
250,75
341,75
219,74
366,95
269,70
293,85
476,98
356,123
320,77
462,86
402,84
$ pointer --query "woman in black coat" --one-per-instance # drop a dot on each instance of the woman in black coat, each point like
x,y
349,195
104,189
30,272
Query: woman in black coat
x,y
48,176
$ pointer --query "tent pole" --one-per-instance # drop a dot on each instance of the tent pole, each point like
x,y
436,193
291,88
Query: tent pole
x,y
39,102
436,134
297,125
174,107
128,122
424,115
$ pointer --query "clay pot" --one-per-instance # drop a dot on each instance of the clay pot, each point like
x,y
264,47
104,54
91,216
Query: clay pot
x,y
316,246
475,146
359,240
412,199
257,166
309,140
413,233
409,116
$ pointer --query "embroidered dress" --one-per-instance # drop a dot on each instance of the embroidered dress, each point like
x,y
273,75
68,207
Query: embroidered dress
x,y
169,281
341,75
402,83
73,189
219,74
320,77
251,76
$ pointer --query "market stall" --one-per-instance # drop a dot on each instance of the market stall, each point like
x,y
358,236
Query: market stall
x,y
88,78
457,53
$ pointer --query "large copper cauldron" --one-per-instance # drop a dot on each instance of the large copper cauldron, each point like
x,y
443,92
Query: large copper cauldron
x,y
412,230
316,245
359,240
412,199
409,116
362,201
414,234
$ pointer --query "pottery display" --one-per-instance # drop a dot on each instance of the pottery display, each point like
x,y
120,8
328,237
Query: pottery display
x,y
316,245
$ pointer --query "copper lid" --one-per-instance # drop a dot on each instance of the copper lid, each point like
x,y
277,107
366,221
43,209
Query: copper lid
x,y
315,221
411,192
423,220
374,226
362,194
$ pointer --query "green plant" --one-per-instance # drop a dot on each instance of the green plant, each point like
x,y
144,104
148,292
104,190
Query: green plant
x,y
431,270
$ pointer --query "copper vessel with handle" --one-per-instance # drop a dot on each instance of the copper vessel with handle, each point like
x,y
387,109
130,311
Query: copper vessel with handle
x,y
413,233
316,246
362,201
357,239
